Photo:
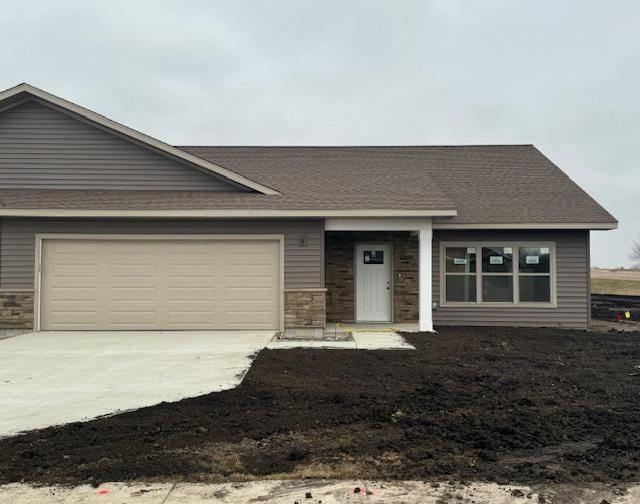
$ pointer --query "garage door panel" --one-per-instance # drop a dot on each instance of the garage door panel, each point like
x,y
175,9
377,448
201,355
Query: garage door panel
x,y
195,247
250,270
128,248
77,317
191,271
191,317
160,284
247,295
76,269
136,317
192,294
86,249
132,269
137,294
237,248
248,283
80,294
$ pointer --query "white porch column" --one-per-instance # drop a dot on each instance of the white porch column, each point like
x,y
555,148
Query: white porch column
x,y
425,238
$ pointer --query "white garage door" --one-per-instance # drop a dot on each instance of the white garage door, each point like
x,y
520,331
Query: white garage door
x,y
100,284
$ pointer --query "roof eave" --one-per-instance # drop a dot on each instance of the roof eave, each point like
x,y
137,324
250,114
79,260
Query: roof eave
x,y
595,226
221,213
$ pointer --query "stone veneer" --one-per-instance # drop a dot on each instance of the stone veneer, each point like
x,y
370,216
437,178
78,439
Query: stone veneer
x,y
305,308
340,275
16,309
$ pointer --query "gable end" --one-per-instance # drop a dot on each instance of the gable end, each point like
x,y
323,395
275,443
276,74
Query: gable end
x,y
44,148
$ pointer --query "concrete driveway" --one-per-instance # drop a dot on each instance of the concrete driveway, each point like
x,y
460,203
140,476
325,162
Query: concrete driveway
x,y
52,378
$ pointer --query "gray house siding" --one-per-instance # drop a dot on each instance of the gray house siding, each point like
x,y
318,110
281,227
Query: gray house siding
x,y
572,270
43,148
303,267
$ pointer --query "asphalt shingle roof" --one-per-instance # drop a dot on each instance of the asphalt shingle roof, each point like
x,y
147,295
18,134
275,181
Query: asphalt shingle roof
x,y
485,184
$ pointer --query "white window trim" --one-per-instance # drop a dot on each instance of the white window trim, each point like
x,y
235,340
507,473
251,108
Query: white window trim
x,y
516,277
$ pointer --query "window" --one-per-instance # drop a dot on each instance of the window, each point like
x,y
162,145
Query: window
x,y
509,273
497,274
373,256
461,274
534,274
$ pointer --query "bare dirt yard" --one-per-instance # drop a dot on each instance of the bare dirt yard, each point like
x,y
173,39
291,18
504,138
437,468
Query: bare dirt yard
x,y
528,406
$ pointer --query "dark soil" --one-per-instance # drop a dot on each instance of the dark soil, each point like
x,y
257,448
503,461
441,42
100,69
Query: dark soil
x,y
507,405
612,307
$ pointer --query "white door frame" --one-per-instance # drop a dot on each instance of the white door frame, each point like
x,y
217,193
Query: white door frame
x,y
388,264
39,237
424,228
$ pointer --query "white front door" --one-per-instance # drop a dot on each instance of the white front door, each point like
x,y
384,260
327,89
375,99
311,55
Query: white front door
x,y
373,282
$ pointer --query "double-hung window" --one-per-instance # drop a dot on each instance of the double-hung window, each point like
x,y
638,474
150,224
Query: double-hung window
x,y
461,281
506,273
534,274
497,274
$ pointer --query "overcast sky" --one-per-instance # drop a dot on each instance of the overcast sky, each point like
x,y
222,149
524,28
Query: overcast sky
x,y
563,75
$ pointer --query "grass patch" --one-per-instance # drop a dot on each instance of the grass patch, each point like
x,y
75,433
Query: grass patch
x,y
615,286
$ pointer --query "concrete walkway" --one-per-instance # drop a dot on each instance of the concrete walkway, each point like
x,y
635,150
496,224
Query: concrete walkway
x,y
409,327
361,340
52,378
319,492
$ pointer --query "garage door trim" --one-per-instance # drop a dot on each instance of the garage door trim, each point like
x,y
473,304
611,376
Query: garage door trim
x,y
40,237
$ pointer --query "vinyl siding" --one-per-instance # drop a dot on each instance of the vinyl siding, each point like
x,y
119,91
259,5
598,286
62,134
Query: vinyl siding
x,y
302,269
43,148
572,270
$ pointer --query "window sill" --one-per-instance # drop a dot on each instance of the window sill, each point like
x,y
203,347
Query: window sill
x,y
498,304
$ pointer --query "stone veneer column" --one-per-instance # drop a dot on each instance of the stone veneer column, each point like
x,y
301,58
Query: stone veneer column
x,y
305,308
16,309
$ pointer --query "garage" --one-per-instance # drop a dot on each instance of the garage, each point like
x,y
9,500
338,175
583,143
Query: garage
x,y
172,283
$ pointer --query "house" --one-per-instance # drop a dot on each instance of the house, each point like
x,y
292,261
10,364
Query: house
x,y
103,227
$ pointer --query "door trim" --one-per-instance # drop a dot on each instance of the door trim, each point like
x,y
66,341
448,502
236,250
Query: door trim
x,y
40,237
355,277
